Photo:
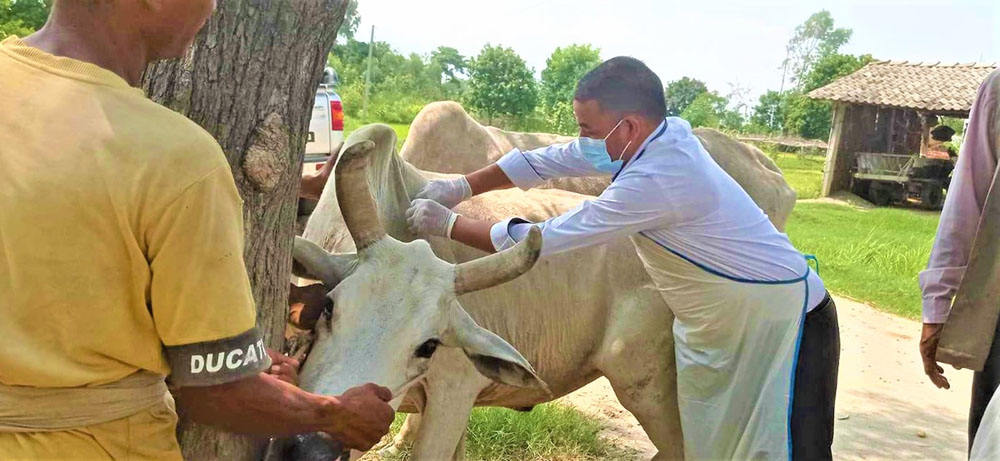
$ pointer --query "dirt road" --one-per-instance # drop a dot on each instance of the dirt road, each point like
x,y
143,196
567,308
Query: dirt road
x,y
884,402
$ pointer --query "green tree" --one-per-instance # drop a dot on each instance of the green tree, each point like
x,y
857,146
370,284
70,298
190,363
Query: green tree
x,y
453,65
832,67
452,70
769,113
22,17
679,94
564,68
711,110
500,83
810,118
400,85
814,40
351,21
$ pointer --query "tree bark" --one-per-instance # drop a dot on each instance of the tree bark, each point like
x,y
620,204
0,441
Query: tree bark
x,y
250,80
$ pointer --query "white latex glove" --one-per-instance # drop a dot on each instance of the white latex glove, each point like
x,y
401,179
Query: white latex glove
x,y
429,218
448,192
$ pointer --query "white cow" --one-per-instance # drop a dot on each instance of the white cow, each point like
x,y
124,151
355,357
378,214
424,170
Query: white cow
x,y
445,139
575,317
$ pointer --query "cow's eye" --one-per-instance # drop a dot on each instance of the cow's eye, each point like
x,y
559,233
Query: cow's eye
x,y
426,350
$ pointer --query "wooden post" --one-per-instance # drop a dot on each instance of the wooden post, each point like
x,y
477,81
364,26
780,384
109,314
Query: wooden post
x,y
925,131
831,170
890,139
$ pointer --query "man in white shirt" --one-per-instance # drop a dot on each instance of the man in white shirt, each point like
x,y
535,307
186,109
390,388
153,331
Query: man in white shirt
x,y
756,374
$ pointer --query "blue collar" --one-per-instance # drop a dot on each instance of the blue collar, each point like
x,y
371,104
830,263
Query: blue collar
x,y
642,149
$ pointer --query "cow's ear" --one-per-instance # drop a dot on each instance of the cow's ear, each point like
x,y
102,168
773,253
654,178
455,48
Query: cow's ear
x,y
493,357
312,262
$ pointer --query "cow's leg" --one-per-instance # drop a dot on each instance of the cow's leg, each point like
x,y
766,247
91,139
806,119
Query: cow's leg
x,y
653,401
460,450
407,434
412,402
637,356
451,387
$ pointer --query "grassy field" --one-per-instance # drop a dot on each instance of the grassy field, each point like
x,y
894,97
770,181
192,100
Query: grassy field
x,y
872,255
549,432
803,172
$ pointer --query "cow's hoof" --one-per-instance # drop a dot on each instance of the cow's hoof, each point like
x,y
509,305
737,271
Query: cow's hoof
x,y
390,451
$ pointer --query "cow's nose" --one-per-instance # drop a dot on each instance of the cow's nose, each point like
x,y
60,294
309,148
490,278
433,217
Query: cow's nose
x,y
315,447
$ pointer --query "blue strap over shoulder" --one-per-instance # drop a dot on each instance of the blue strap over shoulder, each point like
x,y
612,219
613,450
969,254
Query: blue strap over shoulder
x,y
813,259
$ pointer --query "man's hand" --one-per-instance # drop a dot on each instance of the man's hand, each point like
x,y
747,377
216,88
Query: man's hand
x,y
448,192
929,338
312,185
363,416
283,367
429,218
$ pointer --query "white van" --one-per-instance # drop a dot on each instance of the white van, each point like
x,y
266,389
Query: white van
x,y
326,128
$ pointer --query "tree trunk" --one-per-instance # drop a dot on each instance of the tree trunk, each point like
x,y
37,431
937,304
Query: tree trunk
x,y
250,80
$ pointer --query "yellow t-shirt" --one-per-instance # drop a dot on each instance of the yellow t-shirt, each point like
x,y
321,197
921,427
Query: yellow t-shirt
x,y
121,229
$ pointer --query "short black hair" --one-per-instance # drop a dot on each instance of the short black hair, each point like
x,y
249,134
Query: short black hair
x,y
625,85
942,133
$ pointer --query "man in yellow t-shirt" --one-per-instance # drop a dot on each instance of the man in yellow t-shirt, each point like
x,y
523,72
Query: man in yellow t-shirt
x,y
121,256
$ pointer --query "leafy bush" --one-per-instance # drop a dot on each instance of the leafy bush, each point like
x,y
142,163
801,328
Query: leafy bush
x,y
679,94
711,110
22,17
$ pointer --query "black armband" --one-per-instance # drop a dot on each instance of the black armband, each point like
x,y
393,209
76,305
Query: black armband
x,y
218,362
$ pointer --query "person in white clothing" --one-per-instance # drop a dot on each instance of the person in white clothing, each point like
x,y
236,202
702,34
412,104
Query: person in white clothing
x,y
756,374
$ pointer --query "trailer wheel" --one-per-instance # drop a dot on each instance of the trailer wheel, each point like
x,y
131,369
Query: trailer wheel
x,y
879,194
932,197
860,187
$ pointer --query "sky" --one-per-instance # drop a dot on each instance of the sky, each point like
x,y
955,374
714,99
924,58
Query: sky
x,y
723,43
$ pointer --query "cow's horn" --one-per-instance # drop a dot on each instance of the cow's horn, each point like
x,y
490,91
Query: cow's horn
x,y
499,268
355,198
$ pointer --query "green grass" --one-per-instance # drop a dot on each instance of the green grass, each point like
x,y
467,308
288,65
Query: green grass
x,y
549,432
872,255
803,172
401,129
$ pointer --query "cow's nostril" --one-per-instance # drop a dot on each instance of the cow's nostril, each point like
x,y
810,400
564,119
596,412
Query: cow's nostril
x,y
426,350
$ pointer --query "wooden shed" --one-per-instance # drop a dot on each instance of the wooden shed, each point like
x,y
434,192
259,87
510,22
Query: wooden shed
x,y
890,107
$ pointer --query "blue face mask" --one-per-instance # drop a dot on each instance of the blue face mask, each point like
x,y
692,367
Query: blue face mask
x,y
596,152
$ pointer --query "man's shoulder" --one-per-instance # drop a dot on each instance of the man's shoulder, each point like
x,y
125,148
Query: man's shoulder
x,y
167,139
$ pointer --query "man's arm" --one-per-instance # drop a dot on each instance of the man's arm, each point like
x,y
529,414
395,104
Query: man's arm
x,y
263,405
311,186
203,310
628,206
488,178
963,208
516,168
474,233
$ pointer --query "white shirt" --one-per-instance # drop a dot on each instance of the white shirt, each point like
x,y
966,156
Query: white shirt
x,y
671,191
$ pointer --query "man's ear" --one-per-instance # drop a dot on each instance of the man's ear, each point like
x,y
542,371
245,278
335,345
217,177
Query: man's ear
x,y
312,262
493,357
